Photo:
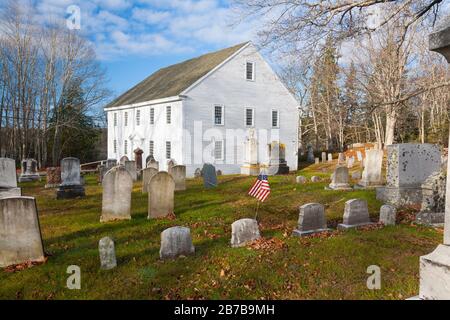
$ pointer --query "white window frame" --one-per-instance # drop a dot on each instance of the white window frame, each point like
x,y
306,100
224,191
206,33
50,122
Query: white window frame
x,y
253,117
125,120
115,119
278,118
168,114
253,71
152,116
222,151
222,116
151,148
138,117
168,150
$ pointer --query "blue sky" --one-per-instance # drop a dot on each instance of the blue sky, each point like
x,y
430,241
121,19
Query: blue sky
x,y
134,38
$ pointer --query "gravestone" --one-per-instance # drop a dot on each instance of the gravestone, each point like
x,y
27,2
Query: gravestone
x,y
371,175
250,166
178,173
110,163
341,158
435,267
152,163
8,179
300,179
219,172
104,168
29,171
170,164
20,233
123,159
432,211
356,214
340,179
324,157
311,220
131,168
316,160
310,154
107,253
53,177
277,162
116,202
315,179
161,195
330,157
70,186
408,167
388,215
147,175
209,176
244,231
198,173
175,242
138,158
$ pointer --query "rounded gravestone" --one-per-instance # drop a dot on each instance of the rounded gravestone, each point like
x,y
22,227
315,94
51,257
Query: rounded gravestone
x,y
388,215
300,179
339,179
161,195
107,253
116,203
356,213
147,175
315,179
176,241
209,176
123,159
244,231
311,219
178,173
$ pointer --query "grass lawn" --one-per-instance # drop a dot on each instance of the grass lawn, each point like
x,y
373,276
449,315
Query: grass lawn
x,y
330,266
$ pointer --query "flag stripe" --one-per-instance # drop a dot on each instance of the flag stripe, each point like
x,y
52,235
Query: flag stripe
x,y
261,188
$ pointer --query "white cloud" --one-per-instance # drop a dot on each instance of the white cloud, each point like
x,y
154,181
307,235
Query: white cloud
x,y
150,16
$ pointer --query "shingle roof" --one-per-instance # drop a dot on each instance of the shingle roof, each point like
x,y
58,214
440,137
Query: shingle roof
x,y
171,81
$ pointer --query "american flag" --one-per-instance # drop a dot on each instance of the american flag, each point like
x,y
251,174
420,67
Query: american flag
x,y
260,189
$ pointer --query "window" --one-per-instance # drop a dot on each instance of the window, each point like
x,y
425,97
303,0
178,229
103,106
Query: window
x,y
218,115
249,115
218,150
126,119
115,146
168,150
168,114
152,115
250,71
275,119
151,146
115,119
125,147
138,117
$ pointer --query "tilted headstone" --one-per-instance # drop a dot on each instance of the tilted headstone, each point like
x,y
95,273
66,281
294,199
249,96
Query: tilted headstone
x,y
209,176
340,179
324,157
175,242
147,175
53,177
311,219
371,175
388,215
244,231
178,173
107,253
356,214
71,186
300,179
20,233
161,195
131,168
29,171
8,179
116,202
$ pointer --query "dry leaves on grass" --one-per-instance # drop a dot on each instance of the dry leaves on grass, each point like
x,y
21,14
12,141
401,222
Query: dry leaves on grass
x,y
264,244
407,215
369,227
23,266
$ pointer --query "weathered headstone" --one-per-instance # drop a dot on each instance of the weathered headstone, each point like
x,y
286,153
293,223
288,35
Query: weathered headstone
x,y
53,177
152,163
107,253
356,214
244,231
209,176
170,164
219,172
371,175
316,160
330,157
161,195
324,157
29,171
340,179
300,179
277,162
147,175
250,165
198,173
116,202
175,242
178,173
341,158
388,215
20,233
432,211
310,154
131,168
70,186
315,179
311,219
8,179
123,159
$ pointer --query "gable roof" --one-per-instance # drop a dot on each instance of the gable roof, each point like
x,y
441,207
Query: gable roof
x,y
171,81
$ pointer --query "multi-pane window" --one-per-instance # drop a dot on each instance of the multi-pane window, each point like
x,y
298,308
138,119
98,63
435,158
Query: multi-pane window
x,y
218,115
169,114
115,119
126,119
151,147
218,149
250,71
115,146
168,150
249,117
152,115
275,119
138,117
125,147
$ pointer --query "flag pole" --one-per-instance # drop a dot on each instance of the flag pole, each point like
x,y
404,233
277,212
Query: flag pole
x,y
257,207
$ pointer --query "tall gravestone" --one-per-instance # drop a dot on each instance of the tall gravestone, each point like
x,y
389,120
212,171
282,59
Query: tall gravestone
x,y
138,158
408,166
324,157
20,233
209,176
178,174
310,154
70,186
147,175
277,162
371,175
435,267
161,195
311,220
330,157
131,168
340,179
8,179
29,171
251,166
116,201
